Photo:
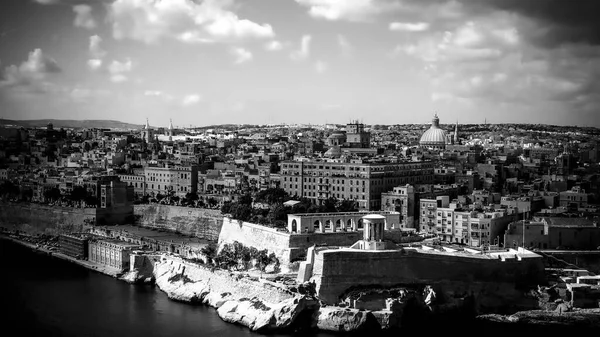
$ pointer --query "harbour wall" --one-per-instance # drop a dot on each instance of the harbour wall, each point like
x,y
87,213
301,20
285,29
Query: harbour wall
x,y
336,271
200,222
42,219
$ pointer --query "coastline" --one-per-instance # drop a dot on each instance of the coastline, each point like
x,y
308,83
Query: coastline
x,y
182,283
84,263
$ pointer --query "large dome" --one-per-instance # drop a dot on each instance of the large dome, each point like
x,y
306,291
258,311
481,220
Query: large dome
x,y
435,136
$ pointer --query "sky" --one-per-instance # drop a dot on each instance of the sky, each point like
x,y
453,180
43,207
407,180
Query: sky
x,y
301,61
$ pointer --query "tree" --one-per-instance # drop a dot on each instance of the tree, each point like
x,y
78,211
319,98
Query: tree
x,y
9,189
78,193
262,260
347,206
210,251
272,195
52,194
277,214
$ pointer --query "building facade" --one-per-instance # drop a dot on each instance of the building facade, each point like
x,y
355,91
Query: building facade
x,y
112,253
164,180
360,181
75,245
401,199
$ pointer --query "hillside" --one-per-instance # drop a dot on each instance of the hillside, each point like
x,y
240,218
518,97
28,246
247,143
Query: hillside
x,y
67,123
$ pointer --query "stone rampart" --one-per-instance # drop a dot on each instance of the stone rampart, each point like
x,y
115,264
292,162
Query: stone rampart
x,y
258,236
335,271
35,218
200,222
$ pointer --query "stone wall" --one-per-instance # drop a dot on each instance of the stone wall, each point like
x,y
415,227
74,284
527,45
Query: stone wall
x,y
199,222
335,271
258,236
39,219
299,243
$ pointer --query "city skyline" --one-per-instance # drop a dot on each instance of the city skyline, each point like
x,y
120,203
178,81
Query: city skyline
x,y
303,61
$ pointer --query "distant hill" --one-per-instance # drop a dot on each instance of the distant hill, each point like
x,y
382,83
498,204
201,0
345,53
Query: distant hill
x,y
67,123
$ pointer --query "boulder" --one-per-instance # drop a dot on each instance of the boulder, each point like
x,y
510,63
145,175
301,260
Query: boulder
x,y
252,313
342,319
286,312
216,300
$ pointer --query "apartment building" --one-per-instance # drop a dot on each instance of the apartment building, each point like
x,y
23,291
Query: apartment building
x,y
179,180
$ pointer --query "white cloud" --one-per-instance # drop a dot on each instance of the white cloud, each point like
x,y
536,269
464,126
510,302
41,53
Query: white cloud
x,y
185,20
304,50
409,27
95,50
32,72
321,67
153,93
117,70
191,99
241,55
83,17
273,45
351,10
94,64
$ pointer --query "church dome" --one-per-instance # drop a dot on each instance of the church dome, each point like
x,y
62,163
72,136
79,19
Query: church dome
x,y
435,136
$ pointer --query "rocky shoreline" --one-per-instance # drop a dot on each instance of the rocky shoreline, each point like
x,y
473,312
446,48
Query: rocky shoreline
x,y
264,306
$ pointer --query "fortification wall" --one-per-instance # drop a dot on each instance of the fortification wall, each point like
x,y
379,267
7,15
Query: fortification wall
x,y
200,222
299,243
41,219
335,271
253,235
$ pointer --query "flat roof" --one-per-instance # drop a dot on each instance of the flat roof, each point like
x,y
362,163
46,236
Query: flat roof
x,y
161,236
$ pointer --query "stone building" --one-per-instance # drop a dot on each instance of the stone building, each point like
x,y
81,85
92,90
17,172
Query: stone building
x,y
554,233
75,245
401,199
178,179
434,138
363,182
112,253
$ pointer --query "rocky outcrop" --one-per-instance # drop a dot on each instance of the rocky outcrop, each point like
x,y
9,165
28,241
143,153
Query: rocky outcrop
x,y
345,319
239,300
135,277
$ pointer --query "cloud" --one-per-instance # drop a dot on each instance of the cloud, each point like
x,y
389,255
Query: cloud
x,y
118,69
304,50
321,66
241,55
350,10
31,73
83,17
409,27
186,20
94,64
191,99
273,45
95,50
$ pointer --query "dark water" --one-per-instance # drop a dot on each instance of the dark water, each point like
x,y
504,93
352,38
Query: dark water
x,y
46,296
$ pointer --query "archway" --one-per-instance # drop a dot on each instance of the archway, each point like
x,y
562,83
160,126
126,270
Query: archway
x,y
328,224
317,226
360,224
349,225
294,226
339,224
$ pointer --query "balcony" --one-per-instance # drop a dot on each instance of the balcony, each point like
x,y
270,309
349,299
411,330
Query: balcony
x,y
430,215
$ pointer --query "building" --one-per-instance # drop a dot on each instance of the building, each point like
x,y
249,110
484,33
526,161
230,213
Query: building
x,y
434,138
356,136
554,233
75,245
574,198
112,253
363,182
164,180
147,134
138,182
304,223
401,199
116,203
